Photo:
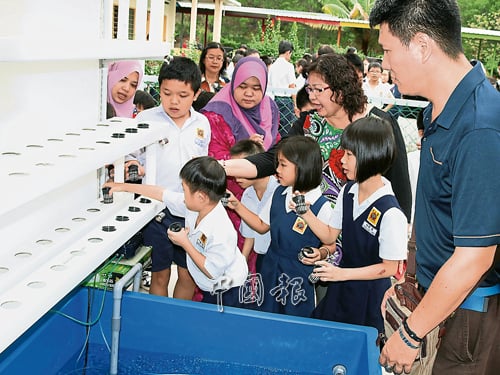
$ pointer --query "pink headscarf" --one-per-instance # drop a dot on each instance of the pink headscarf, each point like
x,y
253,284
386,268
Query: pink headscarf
x,y
262,119
116,71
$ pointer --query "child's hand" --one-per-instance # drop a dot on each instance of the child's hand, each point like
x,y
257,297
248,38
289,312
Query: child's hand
x,y
257,138
115,187
298,203
232,201
140,169
311,259
328,272
179,238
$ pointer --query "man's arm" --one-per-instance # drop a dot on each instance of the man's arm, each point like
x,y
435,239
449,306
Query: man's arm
x,y
452,284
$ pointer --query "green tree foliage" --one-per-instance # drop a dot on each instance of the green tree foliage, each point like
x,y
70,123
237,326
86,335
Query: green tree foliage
x,y
487,51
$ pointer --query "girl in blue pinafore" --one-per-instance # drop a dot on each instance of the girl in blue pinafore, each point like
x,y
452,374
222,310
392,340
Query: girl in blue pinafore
x,y
374,229
287,289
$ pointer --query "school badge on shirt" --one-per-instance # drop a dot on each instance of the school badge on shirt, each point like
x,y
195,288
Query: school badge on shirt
x,y
202,241
300,225
200,139
371,221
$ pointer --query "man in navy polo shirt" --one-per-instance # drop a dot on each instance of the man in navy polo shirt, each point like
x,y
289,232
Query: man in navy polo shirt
x,y
457,204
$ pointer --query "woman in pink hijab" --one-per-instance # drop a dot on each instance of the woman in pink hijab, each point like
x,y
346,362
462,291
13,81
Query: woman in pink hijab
x,y
123,79
241,110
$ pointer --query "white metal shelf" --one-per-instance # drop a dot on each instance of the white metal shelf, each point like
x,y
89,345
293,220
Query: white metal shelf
x,y
54,226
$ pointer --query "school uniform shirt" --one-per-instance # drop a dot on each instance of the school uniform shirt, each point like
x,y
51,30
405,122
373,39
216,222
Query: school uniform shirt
x,y
215,237
281,76
375,94
179,146
358,301
393,228
252,202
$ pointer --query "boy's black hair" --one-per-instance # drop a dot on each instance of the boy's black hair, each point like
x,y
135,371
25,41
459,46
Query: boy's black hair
x,y
305,153
285,46
182,69
205,174
145,99
375,64
246,147
438,19
302,98
371,140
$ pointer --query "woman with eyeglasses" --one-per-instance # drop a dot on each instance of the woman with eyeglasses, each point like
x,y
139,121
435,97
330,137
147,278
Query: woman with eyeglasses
x,y
337,96
241,110
213,65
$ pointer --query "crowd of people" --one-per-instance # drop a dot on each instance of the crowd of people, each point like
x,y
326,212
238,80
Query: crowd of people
x,y
287,190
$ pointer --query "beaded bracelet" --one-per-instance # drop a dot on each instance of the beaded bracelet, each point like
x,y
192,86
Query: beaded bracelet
x,y
410,333
405,340
327,251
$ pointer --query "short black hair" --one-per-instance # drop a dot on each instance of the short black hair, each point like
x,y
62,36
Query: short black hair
x,y
302,98
205,174
182,69
438,19
325,49
246,147
145,99
285,46
305,153
375,64
372,142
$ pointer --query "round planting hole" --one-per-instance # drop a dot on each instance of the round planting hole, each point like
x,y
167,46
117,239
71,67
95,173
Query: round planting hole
x,y
95,240
3,270
78,219
118,135
62,230
108,228
10,305
93,210
131,130
58,267
23,254
121,218
145,200
77,253
143,126
37,284
44,242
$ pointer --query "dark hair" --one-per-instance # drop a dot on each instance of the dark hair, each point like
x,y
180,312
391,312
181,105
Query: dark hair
x,y
303,63
355,61
182,69
343,81
110,110
251,51
302,98
205,174
202,100
438,19
267,60
324,49
285,46
213,45
375,64
305,153
372,141
145,99
246,147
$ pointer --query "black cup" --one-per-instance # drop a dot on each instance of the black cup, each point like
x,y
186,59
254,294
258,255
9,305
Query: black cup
x,y
300,204
175,227
225,199
107,198
133,172
303,253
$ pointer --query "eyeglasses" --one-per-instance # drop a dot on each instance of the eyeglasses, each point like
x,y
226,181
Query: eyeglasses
x,y
215,58
316,90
